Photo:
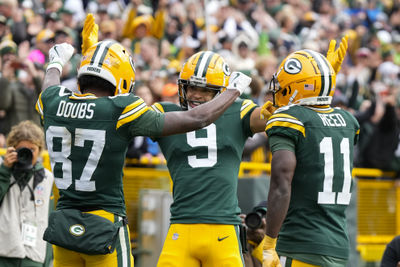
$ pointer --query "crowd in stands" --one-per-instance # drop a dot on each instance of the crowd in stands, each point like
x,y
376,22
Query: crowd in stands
x,y
253,36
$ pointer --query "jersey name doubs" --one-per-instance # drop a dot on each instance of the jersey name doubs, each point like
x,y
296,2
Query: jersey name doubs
x,y
75,110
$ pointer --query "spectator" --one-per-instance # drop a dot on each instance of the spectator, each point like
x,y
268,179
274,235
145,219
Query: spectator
x,y
170,93
68,76
15,20
25,190
140,23
381,135
18,94
67,15
3,28
108,30
44,40
52,22
148,62
143,91
140,146
244,58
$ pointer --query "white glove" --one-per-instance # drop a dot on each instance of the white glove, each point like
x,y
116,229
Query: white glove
x,y
59,55
238,81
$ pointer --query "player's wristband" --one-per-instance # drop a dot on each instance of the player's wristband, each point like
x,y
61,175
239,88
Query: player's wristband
x,y
56,65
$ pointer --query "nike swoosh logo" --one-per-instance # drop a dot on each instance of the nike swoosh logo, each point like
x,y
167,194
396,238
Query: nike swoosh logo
x,y
55,49
222,238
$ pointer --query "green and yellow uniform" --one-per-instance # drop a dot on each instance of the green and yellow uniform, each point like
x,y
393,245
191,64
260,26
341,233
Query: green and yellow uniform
x,y
321,187
87,138
204,166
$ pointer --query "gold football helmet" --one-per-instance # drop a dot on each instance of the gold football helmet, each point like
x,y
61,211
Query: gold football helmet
x,y
204,69
109,60
304,77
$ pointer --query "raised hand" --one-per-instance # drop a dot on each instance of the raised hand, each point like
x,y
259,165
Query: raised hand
x,y
335,57
238,81
59,55
90,33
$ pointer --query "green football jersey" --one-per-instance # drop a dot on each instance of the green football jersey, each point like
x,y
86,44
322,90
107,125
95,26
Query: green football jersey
x,y
321,188
204,166
87,139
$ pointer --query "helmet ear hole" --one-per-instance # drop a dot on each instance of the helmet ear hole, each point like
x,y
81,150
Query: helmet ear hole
x,y
284,92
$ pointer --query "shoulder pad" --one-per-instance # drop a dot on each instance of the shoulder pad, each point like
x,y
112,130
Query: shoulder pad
x,y
124,100
163,107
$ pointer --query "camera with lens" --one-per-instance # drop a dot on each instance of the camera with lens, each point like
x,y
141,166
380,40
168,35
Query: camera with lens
x,y
24,159
253,219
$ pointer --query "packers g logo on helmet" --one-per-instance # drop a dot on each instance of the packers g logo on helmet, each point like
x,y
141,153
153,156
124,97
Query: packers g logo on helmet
x,y
304,77
292,66
110,61
205,69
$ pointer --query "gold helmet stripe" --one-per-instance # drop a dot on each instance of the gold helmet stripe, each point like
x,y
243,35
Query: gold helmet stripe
x,y
101,52
202,64
326,78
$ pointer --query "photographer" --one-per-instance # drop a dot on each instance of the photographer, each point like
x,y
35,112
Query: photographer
x,y
25,190
255,224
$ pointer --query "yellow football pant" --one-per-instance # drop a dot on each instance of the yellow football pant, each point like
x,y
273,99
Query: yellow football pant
x,y
121,256
205,245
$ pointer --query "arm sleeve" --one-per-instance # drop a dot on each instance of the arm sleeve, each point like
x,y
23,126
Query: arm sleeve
x,y
151,124
277,142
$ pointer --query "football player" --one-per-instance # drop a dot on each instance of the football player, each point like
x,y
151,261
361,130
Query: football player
x,y
312,160
204,166
87,136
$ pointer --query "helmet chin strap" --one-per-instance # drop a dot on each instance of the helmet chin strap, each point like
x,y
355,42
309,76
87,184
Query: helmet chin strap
x,y
119,86
293,96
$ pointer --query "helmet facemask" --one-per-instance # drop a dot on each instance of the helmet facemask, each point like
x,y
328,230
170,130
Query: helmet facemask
x,y
195,82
